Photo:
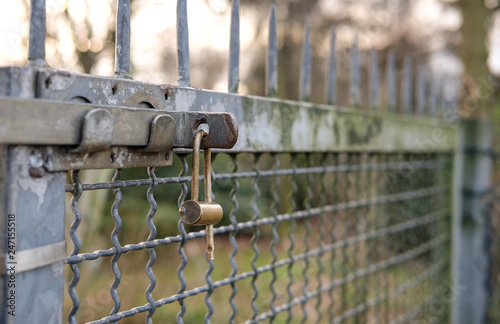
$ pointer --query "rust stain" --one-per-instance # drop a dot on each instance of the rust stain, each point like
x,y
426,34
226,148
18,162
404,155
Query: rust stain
x,y
231,129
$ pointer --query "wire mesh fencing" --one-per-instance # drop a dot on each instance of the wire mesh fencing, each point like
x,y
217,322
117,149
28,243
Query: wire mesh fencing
x,y
334,215
492,243
341,238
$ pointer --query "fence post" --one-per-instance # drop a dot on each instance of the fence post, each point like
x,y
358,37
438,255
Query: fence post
x,y
470,258
32,238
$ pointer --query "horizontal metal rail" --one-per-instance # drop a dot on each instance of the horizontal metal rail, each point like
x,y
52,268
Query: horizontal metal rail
x,y
420,193
275,125
41,122
292,126
394,166
392,261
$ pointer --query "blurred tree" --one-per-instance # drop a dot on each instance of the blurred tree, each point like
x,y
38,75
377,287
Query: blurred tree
x,y
477,80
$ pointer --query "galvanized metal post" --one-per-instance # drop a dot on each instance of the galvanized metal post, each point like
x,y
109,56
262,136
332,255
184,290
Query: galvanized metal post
x,y
470,258
32,238
36,47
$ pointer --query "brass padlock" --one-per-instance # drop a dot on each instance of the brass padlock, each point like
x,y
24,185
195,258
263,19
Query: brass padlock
x,y
194,212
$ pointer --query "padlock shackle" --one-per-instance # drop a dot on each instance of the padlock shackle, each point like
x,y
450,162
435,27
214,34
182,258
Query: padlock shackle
x,y
208,175
201,132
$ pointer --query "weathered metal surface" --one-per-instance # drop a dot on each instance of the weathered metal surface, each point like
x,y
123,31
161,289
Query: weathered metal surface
x,y
391,83
306,66
421,90
183,44
433,95
43,122
59,159
272,56
407,87
470,258
4,212
355,76
38,204
122,51
17,82
374,79
38,257
276,125
162,135
36,46
64,86
97,132
331,93
234,49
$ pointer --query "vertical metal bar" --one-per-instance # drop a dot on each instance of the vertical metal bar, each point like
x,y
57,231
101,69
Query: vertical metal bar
x,y
472,172
4,212
374,79
234,49
455,98
37,31
32,217
116,244
272,57
305,71
151,251
183,234
333,238
210,284
407,86
443,99
77,192
433,95
291,237
355,86
183,44
421,90
332,72
232,238
274,230
307,242
391,82
321,238
122,52
256,236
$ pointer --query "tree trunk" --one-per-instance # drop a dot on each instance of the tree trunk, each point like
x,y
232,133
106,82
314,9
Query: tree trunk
x,y
476,98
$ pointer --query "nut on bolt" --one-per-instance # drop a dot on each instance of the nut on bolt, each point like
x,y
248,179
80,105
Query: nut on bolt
x,y
37,162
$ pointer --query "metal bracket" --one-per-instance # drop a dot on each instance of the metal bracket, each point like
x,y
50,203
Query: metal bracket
x,y
97,132
82,121
162,135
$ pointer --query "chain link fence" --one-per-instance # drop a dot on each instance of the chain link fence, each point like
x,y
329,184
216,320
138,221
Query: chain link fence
x,y
492,243
331,214
342,238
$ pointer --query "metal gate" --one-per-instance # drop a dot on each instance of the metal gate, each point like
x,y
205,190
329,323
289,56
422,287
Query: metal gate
x,y
331,214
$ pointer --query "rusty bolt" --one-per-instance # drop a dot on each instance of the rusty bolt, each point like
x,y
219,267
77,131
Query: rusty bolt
x,y
36,163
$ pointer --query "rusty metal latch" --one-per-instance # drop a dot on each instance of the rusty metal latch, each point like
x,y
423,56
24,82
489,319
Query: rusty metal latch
x,y
107,136
97,132
162,134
